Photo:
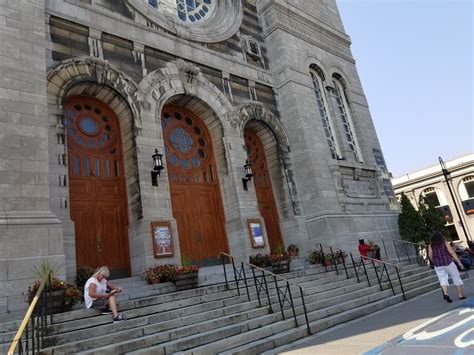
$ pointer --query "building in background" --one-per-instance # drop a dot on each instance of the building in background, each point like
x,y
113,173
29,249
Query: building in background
x,y
90,89
431,184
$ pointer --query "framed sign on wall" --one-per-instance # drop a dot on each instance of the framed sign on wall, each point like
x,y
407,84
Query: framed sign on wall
x,y
162,240
256,233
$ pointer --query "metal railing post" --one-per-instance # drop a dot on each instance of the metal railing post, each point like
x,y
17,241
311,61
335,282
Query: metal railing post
x,y
304,309
279,298
322,257
396,250
268,292
343,262
334,260
292,304
355,268
256,286
235,276
389,279
365,270
245,280
377,274
401,285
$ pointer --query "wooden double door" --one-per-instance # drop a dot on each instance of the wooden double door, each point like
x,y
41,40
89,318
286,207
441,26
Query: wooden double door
x,y
194,184
263,188
97,192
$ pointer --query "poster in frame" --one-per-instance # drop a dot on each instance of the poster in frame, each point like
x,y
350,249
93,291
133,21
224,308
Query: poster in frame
x,y
256,233
162,239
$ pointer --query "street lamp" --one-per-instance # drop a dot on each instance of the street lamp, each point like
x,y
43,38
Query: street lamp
x,y
447,177
157,167
248,174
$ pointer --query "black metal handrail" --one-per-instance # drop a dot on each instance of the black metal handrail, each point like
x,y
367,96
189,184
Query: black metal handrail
x,y
283,292
405,250
379,267
30,335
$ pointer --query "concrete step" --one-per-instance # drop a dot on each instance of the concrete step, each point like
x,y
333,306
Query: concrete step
x,y
161,320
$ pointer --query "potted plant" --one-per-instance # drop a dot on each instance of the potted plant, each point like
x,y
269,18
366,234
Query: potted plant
x,y
83,273
186,276
151,275
327,260
374,253
340,256
293,250
61,295
167,272
260,260
315,257
280,260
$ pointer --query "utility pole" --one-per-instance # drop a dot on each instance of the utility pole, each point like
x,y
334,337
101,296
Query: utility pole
x,y
447,177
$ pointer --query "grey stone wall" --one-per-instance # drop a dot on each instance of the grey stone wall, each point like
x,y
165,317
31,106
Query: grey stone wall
x,y
108,50
342,199
29,232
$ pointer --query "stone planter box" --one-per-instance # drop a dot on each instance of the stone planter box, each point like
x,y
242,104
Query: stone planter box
x,y
186,281
281,266
56,300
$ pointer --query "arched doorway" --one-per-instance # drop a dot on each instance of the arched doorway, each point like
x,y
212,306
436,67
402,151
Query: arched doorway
x,y
194,184
263,188
97,191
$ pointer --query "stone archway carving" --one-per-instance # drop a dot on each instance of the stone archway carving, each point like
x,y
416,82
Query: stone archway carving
x,y
185,78
68,73
257,111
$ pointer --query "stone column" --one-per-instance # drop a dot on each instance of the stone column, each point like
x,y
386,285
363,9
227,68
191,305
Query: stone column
x,y
29,232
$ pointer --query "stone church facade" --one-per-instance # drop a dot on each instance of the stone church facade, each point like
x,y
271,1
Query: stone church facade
x,y
91,89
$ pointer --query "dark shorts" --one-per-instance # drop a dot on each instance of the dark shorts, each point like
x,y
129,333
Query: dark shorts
x,y
100,303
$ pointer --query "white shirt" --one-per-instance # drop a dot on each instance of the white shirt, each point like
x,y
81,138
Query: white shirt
x,y
101,287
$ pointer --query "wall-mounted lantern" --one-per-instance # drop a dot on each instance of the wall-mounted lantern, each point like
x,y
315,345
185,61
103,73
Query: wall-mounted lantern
x,y
157,167
248,174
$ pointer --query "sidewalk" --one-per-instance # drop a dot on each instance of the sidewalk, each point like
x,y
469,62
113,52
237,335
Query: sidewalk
x,y
380,333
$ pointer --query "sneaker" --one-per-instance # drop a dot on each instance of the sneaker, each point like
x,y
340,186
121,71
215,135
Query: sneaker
x,y
107,311
119,318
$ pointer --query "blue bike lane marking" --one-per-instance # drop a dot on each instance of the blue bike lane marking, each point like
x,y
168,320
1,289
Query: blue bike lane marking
x,y
452,331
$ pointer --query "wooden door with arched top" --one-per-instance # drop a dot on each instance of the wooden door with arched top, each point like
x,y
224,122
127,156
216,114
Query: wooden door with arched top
x,y
263,188
97,192
194,184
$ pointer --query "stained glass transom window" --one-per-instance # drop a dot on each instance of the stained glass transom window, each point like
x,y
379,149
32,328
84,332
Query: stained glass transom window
x,y
187,147
321,103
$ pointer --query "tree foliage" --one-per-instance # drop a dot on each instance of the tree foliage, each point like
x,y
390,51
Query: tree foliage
x,y
433,219
410,222
418,225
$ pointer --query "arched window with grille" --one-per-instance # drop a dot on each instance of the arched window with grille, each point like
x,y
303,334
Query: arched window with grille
x,y
322,107
466,192
346,118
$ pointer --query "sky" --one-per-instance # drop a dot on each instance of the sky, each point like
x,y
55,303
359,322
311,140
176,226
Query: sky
x,y
415,61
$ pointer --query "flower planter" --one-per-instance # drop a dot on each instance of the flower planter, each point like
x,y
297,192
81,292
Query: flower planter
x,y
327,262
56,301
154,280
281,266
371,254
186,281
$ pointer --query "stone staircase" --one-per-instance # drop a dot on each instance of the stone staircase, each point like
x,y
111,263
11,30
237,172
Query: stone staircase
x,y
213,319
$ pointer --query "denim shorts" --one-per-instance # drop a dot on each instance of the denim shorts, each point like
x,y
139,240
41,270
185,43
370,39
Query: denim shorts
x,y
100,303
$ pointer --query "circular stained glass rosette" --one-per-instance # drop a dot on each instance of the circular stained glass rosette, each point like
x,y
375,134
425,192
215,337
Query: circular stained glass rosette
x,y
88,127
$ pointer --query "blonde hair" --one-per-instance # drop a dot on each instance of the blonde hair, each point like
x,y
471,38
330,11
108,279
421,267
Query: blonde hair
x,y
104,270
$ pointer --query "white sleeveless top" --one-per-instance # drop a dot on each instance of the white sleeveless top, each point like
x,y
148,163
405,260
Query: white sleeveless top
x,y
101,287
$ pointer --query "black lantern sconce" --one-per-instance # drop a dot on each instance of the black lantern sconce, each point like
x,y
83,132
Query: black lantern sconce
x,y
157,167
248,174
